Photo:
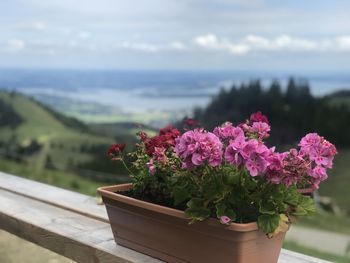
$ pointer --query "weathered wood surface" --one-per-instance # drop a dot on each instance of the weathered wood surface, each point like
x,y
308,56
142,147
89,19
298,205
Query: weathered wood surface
x,y
72,224
76,202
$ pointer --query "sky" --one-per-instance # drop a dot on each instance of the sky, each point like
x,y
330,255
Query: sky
x,y
256,35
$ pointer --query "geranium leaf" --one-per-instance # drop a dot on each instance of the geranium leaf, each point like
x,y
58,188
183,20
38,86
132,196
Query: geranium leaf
x,y
197,210
306,204
299,211
231,214
212,188
268,223
292,198
267,207
220,209
223,210
180,195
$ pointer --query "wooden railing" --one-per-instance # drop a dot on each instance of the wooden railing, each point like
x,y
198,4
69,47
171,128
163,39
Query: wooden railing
x,y
72,224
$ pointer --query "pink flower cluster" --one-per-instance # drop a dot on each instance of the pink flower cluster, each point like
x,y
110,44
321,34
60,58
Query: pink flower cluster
x,y
287,168
243,146
320,153
251,153
310,163
197,147
259,130
227,131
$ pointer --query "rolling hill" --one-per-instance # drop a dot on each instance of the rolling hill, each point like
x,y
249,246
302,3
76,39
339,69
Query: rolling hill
x,y
34,135
341,97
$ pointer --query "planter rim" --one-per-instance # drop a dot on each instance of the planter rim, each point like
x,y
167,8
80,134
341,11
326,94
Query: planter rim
x,y
112,193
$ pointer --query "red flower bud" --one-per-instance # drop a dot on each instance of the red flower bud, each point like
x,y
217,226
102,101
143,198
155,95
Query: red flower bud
x,y
143,136
115,150
258,117
191,122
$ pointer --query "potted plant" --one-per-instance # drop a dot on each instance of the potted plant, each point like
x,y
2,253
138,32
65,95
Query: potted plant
x,y
220,196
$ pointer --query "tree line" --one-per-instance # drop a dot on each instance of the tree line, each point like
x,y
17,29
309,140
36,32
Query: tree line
x,y
292,110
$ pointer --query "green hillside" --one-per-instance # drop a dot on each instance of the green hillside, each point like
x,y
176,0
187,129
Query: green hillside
x,y
341,97
65,180
35,135
37,122
336,188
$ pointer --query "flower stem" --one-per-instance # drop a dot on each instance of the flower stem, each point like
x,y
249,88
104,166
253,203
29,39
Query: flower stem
x,y
126,167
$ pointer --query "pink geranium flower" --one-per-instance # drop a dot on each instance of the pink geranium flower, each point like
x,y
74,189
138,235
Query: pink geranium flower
x,y
309,141
159,154
262,129
256,164
225,220
318,172
198,146
228,131
235,151
151,167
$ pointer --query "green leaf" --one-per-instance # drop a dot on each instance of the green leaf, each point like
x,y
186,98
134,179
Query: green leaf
x,y
237,195
299,211
231,214
223,210
250,183
268,223
307,203
282,206
292,198
267,207
212,188
278,193
220,209
197,210
180,195
231,175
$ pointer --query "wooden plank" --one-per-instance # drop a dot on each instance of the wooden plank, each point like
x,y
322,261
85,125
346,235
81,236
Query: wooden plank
x,y
72,224
75,236
76,202
288,256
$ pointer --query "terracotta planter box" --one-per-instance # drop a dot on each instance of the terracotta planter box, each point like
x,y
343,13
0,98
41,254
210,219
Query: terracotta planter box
x,y
164,233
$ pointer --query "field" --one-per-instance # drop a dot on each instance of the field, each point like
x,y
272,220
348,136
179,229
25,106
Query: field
x,y
315,253
92,112
338,183
336,187
45,139
65,180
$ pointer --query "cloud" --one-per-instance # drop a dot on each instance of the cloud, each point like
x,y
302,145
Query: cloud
x,y
282,42
176,45
152,48
211,42
31,26
343,42
84,35
140,46
208,41
107,8
12,45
